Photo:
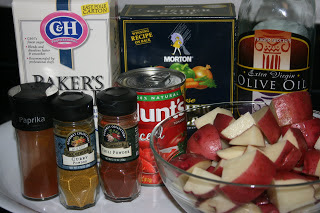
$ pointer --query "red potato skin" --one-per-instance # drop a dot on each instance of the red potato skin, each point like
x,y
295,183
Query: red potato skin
x,y
269,208
260,172
287,162
186,161
218,171
269,127
288,175
204,196
284,129
292,108
205,141
303,147
310,130
263,202
222,121
311,161
211,169
262,199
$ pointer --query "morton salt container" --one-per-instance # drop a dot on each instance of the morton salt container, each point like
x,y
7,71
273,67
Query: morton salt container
x,y
160,94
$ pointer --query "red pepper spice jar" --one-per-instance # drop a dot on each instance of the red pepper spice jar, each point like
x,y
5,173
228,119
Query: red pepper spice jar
x,y
32,119
120,167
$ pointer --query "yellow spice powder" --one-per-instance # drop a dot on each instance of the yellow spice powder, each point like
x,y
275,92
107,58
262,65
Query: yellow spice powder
x,y
79,187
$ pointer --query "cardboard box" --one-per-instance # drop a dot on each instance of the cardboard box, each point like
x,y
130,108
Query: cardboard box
x,y
195,39
72,44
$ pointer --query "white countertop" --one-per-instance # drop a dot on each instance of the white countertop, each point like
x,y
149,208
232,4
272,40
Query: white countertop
x,y
153,199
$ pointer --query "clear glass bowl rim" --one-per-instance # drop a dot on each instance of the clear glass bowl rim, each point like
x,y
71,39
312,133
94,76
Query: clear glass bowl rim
x,y
153,134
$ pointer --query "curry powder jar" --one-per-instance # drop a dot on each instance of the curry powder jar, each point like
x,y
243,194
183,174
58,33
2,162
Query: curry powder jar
x,y
75,143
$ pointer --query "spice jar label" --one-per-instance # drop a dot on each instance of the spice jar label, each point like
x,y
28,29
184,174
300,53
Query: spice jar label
x,y
76,151
119,144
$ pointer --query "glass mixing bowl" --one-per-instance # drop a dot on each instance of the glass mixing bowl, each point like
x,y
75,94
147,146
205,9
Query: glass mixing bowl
x,y
169,138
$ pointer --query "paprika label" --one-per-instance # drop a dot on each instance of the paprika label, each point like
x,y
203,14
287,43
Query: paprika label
x,y
271,62
76,151
118,144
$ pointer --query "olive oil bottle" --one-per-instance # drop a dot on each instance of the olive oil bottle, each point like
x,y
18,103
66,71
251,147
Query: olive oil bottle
x,y
275,47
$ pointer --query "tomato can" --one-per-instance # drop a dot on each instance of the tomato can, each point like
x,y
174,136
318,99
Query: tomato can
x,y
160,94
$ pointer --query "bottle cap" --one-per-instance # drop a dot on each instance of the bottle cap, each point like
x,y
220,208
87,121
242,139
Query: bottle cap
x,y
117,101
72,106
30,103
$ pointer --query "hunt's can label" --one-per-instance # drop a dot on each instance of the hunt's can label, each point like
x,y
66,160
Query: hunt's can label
x,y
160,94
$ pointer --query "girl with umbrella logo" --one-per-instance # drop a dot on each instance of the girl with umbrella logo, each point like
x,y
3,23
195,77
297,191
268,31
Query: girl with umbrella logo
x,y
177,43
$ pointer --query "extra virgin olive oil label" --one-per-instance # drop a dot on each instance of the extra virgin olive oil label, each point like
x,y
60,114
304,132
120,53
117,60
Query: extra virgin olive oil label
x,y
77,151
271,62
119,144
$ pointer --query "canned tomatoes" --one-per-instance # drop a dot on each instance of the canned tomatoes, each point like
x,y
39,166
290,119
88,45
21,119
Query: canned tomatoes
x,y
160,94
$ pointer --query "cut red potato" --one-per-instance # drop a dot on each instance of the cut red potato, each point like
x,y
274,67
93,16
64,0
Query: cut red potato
x,y
267,123
222,121
217,204
279,144
250,168
252,136
296,138
201,189
231,152
292,108
252,148
268,208
310,130
284,155
219,168
205,141
212,167
209,117
311,165
189,161
237,127
248,207
287,199
317,145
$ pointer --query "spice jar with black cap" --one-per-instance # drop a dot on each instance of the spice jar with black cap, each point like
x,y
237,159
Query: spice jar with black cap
x,y
120,167
75,143
32,119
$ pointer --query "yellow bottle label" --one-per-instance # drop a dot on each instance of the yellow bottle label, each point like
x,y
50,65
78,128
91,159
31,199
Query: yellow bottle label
x,y
95,9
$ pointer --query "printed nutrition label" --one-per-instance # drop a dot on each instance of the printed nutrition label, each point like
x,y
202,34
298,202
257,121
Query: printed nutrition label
x,y
37,52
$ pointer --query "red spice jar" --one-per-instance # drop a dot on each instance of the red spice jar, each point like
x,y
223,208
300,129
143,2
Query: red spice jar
x,y
33,124
120,167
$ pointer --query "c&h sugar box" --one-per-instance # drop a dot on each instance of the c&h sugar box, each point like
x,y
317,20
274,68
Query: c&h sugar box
x,y
70,43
